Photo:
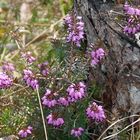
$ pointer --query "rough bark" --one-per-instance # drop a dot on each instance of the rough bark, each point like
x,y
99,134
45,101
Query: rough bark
x,y
120,72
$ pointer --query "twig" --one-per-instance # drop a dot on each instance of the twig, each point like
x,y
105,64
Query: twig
x,y
8,95
36,38
116,123
3,54
17,44
44,32
42,114
121,130
115,12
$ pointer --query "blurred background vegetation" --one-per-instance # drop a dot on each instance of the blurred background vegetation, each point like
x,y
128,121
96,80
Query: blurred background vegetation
x,y
37,24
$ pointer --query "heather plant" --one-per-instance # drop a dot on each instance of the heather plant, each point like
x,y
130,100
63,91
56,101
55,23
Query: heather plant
x,y
50,88
44,88
75,29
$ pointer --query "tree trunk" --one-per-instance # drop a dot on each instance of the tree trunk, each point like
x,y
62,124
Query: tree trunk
x,y
119,74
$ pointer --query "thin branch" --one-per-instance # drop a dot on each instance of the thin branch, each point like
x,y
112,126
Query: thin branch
x,y
42,114
121,130
100,138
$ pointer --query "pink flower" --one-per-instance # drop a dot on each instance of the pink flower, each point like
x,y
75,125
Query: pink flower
x,y
68,19
30,79
130,11
5,81
95,112
8,67
76,132
71,100
44,68
48,99
28,56
75,27
76,91
100,53
53,119
25,132
22,134
96,56
126,6
132,19
29,130
94,62
63,101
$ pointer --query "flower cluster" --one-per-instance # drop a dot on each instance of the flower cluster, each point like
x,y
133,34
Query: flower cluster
x,y
28,57
30,79
95,112
25,132
44,68
54,120
5,80
8,67
63,101
96,56
76,91
48,99
133,18
75,29
76,132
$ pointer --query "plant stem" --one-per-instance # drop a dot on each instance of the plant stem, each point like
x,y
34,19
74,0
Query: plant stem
x,y
42,114
17,44
79,138
3,54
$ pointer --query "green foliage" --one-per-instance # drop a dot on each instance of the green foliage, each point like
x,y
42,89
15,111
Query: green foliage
x,y
4,5
65,5
66,64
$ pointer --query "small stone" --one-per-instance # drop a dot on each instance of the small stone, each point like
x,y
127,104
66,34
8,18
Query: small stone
x,y
11,137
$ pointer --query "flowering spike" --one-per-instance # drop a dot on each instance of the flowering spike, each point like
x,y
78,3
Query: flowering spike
x,y
5,81
44,68
28,56
132,18
76,91
48,99
96,56
75,30
8,67
76,132
95,112
25,132
30,79
52,119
